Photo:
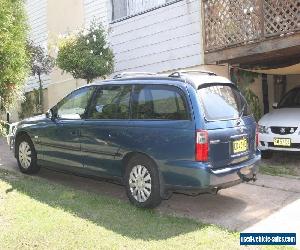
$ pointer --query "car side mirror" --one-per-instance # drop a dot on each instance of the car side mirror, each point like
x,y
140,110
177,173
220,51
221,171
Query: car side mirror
x,y
50,114
275,105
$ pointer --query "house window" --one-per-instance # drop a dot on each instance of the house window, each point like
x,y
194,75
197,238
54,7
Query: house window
x,y
124,8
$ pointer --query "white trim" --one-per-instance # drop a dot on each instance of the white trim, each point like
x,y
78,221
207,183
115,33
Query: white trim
x,y
69,79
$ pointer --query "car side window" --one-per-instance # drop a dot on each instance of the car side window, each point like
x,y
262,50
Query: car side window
x,y
74,105
111,102
159,102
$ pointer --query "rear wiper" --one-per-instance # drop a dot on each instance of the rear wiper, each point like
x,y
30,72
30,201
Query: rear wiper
x,y
242,111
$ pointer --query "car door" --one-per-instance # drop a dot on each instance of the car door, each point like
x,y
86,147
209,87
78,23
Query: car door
x,y
61,138
104,127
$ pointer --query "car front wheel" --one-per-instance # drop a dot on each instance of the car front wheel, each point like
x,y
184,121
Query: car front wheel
x,y
26,155
142,182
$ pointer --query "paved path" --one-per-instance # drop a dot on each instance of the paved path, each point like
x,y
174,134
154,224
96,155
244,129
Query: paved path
x,y
270,204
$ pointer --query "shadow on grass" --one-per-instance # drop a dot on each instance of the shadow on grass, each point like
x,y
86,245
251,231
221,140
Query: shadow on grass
x,y
113,214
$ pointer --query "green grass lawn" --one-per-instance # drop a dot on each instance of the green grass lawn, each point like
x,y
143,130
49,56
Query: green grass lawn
x,y
282,164
278,170
37,213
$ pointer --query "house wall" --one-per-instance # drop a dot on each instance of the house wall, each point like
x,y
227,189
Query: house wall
x,y
48,20
167,38
59,90
97,10
62,17
293,81
37,18
164,39
38,32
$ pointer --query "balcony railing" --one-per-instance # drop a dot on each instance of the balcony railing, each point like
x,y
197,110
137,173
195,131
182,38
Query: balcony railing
x,y
229,23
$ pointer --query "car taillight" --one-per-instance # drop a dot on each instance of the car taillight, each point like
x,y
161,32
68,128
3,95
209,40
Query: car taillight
x,y
201,153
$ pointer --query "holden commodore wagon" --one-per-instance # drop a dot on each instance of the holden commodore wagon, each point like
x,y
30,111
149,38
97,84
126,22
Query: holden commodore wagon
x,y
186,132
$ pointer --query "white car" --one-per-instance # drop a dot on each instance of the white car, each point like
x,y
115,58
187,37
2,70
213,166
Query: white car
x,y
279,130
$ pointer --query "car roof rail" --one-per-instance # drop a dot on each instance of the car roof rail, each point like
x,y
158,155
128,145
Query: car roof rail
x,y
132,74
180,73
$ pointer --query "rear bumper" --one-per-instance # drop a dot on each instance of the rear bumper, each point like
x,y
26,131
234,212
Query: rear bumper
x,y
236,173
204,179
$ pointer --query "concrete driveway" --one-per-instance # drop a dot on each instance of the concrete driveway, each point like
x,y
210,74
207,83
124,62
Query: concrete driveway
x,y
272,204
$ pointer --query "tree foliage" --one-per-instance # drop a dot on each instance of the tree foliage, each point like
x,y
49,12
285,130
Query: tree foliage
x,y
40,63
244,79
3,129
86,55
13,54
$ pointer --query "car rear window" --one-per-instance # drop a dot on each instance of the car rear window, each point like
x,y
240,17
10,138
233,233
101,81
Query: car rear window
x,y
222,102
159,102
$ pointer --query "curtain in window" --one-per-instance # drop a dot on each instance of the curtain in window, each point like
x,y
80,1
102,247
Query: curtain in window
x,y
123,8
137,6
119,9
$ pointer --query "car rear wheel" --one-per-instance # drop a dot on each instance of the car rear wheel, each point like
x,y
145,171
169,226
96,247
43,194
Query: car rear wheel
x,y
26,155
142,182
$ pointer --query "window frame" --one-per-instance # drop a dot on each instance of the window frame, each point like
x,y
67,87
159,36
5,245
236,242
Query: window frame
x,y
93,99
234,88
179,91
56,107
120,19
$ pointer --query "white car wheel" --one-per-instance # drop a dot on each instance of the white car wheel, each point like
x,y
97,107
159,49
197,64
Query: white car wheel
x,y
24,155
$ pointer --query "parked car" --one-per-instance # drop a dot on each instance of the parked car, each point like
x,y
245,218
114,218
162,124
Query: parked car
x,y
279,130
187,132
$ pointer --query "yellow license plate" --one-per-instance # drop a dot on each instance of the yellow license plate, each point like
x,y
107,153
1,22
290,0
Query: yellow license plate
x,y
282,142
240,146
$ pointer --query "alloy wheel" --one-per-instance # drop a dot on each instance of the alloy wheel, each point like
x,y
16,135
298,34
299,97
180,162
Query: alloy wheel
x,y
140,183
24,155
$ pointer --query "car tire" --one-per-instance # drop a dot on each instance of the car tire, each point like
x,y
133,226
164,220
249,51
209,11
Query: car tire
x,y
26,155
142,182
266,154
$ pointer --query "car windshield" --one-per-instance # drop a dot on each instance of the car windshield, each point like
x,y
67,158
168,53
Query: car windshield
x,y
222,102
291,99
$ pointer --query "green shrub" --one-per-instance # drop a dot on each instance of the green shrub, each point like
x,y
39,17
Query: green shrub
x,y
13,54
3,129
30,105
86,55
244,79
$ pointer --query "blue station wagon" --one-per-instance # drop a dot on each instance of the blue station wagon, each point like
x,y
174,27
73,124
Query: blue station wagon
x,y
186,132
